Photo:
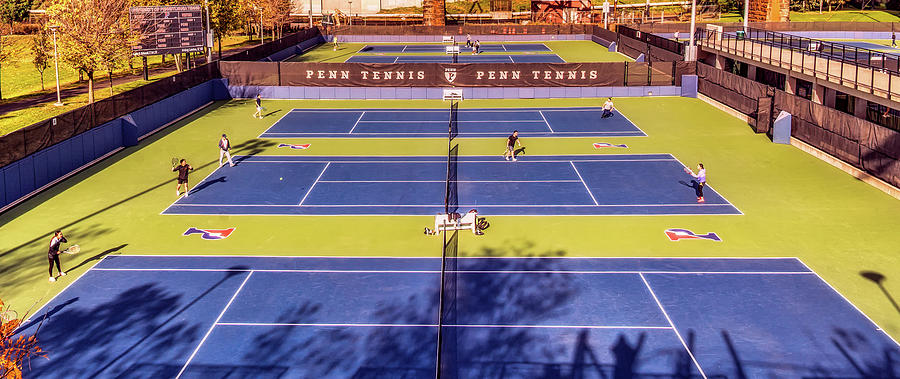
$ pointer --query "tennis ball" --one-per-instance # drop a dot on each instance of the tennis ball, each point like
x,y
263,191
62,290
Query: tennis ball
x,y
280,178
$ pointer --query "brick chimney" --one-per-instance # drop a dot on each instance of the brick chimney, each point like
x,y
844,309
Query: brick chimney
x,y
770,10
434,12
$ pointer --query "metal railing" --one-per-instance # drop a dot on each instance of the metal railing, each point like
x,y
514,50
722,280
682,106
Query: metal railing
x,y
866,70
652,39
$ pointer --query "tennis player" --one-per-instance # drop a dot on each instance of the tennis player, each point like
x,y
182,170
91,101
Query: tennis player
x,y
259,107
511,143
468,40
53,253
701,180
183,168
607,108
224,147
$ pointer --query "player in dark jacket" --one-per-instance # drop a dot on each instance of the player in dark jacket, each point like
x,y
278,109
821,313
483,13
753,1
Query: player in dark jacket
x,y
183,168
53,253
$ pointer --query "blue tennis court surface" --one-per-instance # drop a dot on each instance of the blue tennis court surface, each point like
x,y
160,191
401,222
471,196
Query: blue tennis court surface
x,y
462,58
646,184
435,48
315,317
867,45
414,123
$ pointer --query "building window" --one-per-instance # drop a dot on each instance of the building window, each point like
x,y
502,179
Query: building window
x,y
804,89
735,67
883,116
844,102
771,78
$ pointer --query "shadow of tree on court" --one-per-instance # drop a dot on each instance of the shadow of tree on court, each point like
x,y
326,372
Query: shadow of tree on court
x,y
77,232
541,297
98,256
119,336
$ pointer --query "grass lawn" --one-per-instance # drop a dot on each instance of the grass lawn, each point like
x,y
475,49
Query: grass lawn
x,y
570,51
21,80
843,15
15,120
794,205
847,15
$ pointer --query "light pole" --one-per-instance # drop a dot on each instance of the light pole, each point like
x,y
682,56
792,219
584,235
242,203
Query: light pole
x,y
310,14
350,12
209,35
746,14
56,64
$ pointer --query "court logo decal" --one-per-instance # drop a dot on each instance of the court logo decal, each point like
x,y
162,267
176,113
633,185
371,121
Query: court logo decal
x,y
600,145
295,146
210,234
684,234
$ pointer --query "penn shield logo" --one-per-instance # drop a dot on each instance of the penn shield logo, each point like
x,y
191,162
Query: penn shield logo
x,y
295,146
210,234
684,234
600,145
450,74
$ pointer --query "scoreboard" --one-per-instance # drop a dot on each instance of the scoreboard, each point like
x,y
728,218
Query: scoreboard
x,y
167,29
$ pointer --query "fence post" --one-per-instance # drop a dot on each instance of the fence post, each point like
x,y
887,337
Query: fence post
x,y
625,71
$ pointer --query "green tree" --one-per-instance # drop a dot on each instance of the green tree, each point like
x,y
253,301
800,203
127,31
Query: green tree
x,y
93,34
42,50
226,16
14,10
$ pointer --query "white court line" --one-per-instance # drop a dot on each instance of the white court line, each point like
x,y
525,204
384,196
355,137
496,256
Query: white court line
x,y
585,184
438,257
452,181
545,121
498,160
669,319
632,123
848,301
445,121
276,123
441,110
38,311
705,205
357,122
397,58
446,325
404,48
208,332
314,184
542,272
463,134
198,183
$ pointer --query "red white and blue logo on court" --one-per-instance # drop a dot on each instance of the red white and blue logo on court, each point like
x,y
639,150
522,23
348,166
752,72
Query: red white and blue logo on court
x,y
684,234
295,146
600,145
210,234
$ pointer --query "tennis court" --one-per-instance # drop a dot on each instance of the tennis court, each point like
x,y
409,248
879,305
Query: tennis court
x,y
643,184
432,123
253,316
463,57
867,45
435,48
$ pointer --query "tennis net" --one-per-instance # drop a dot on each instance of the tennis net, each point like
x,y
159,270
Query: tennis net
x,y
447,308
447,339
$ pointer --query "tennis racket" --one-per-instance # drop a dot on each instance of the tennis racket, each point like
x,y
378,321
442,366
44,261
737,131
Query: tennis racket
x,y
688,171
72,250
174,162
8,315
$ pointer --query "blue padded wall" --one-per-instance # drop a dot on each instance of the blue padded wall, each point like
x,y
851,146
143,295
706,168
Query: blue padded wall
x,y
34,171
